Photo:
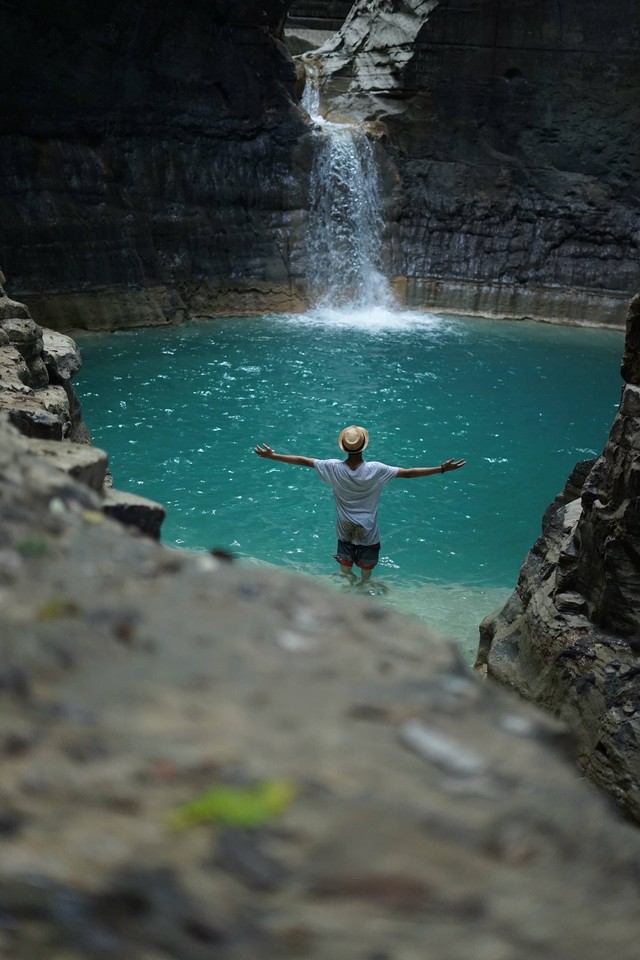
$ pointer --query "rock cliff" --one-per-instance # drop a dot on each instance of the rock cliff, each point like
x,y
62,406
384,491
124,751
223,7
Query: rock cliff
x,y
569,637
154,162
37,397
511,125
147,155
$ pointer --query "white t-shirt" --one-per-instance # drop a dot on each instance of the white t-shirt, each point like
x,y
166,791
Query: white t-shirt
x,y
356,493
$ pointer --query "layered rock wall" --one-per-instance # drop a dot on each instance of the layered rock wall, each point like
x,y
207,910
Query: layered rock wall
x,y
154,162
147,160
511,124
38,399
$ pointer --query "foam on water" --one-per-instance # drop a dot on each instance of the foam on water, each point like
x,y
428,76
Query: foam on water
x,y
367,319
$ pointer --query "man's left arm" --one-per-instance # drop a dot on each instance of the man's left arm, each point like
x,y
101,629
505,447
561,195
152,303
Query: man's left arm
x,y
409,473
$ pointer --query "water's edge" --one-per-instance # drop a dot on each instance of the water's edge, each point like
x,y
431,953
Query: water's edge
x,y
124,307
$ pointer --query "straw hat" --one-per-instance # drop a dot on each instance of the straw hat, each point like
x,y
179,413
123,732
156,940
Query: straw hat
x,y
353,439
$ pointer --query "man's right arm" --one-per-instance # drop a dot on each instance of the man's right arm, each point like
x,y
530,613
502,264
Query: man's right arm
x,y
269,454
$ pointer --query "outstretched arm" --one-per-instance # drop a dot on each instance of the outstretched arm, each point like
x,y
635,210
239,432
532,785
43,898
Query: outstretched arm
x,y
446,467
269,454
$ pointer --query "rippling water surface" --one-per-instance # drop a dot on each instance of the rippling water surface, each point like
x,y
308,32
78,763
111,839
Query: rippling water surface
x,y
179,411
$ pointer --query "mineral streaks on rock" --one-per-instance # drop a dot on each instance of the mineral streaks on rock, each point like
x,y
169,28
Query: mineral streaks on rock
x,y
569,636
428,816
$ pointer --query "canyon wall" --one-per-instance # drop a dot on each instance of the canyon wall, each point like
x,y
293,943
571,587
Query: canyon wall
x,y
155,163
147,159
511,125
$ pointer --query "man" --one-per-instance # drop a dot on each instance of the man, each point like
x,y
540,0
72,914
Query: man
x,y
356,485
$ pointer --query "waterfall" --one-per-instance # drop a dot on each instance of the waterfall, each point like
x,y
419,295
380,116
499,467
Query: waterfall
x,y
344,238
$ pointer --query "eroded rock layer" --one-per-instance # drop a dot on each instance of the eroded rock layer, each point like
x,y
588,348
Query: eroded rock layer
x,y
37,398
147,160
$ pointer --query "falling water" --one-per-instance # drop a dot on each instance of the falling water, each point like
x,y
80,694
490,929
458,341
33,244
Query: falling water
x,y
345,217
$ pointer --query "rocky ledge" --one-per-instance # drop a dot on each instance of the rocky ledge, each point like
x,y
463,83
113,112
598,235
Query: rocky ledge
x,y
569,637
37,397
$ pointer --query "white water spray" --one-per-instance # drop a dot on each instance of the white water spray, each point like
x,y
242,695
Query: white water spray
x,y
345,217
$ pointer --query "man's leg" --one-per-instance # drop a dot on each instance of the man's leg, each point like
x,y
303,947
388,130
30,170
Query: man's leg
x,y
366,559
345,557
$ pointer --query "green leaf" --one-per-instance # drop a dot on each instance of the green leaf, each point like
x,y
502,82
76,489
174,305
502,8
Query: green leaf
x,y
236,806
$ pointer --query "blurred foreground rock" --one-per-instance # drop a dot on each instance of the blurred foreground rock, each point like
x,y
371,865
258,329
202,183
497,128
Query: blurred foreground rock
x,y
430,816
569,637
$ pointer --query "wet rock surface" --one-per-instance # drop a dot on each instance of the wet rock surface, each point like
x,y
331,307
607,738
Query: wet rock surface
x,y
568,637
152,701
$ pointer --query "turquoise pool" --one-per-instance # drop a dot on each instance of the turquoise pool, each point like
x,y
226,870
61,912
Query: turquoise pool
x,y
179,411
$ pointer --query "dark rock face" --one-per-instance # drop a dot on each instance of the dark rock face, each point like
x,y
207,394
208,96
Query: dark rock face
x,y
511,124
569,637
154,163
146,152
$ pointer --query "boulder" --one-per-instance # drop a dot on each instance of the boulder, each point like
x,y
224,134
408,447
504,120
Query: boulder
x,y
11,309
61,356
135,511
30,417
85,463
24,334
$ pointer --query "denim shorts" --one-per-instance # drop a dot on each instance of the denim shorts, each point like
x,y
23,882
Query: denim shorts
x,y
364,556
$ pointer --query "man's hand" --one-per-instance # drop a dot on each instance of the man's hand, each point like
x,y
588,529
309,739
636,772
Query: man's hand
x,y
452,465
263,450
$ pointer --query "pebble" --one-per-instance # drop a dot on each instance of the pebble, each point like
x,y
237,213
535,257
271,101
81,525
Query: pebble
x,y
443,751
243,853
